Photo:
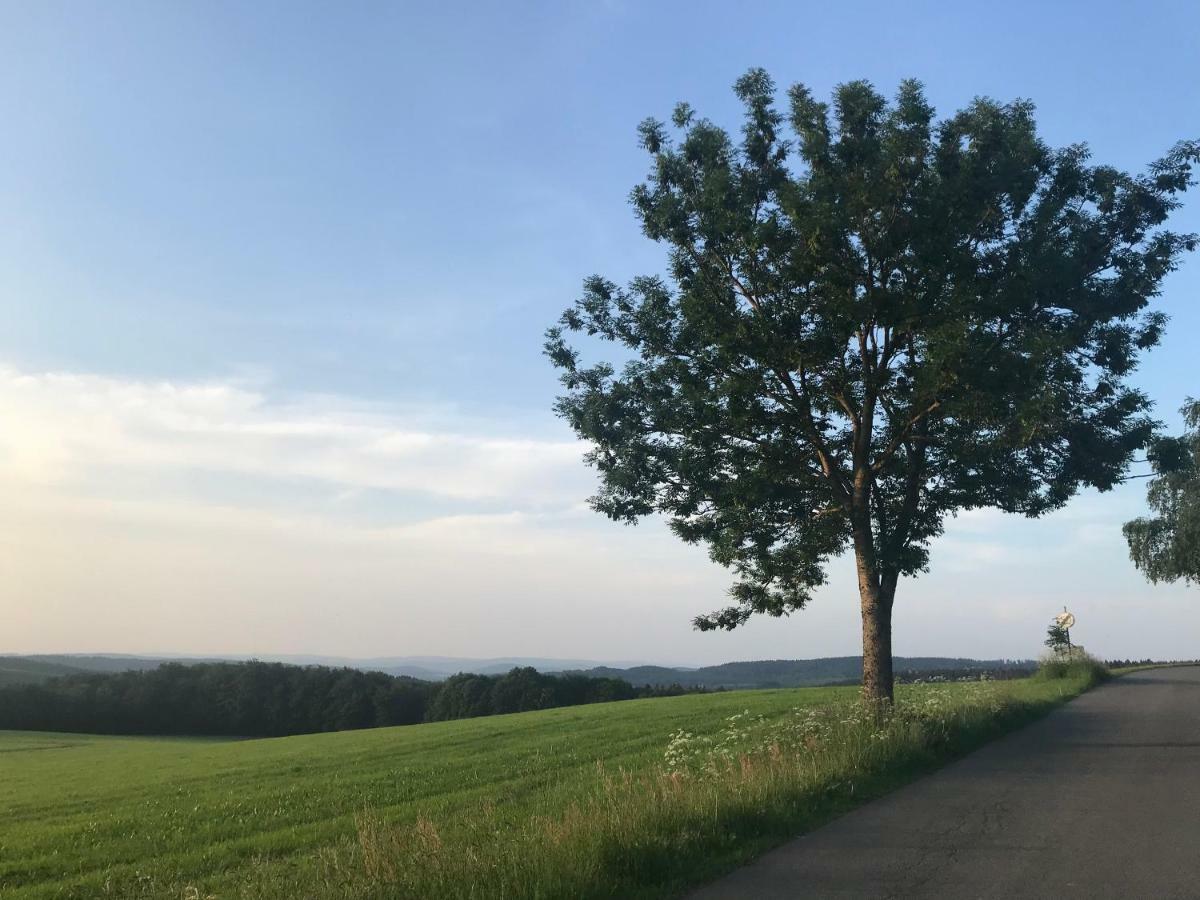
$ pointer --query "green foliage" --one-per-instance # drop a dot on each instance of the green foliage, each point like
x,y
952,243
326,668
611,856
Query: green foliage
x,y
873,319
1166,547
257,699
1076,667
566,802
1057,638
523,689
243,699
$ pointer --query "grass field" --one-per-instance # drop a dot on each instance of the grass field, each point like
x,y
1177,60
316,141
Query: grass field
x,y
568,802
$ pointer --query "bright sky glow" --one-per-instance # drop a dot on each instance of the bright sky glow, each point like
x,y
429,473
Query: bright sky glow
x,y
273,280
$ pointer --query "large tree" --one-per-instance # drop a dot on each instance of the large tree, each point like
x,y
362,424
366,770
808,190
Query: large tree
x,y
871,320
1166,546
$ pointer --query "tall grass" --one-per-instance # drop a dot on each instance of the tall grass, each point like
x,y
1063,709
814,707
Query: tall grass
x,y
1076,666
714,801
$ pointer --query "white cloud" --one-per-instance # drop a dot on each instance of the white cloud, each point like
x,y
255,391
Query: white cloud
x,y
96,554
66,427
116,535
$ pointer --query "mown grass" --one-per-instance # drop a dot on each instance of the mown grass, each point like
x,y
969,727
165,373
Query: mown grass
x,y
571,802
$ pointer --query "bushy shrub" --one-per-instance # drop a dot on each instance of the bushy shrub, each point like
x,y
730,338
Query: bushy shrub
x,y
1077,664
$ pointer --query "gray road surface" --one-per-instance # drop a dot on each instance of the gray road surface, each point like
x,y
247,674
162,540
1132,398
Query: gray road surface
x,y
1099,799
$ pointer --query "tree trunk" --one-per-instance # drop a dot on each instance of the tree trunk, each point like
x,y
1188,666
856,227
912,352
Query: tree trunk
x,y
876,591
877,684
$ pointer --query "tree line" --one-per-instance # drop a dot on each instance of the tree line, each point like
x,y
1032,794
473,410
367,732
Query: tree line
x,y
259,699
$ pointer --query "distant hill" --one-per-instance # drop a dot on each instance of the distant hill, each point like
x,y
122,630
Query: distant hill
x,y
749,674
798,672
38,667
436,668
24,670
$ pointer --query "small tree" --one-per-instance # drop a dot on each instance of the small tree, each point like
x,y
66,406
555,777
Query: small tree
x,y
870,323
1166,547
1057,639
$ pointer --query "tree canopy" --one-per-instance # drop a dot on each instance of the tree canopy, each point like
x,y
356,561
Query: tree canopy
x,y
1166,546
1058,639
871,320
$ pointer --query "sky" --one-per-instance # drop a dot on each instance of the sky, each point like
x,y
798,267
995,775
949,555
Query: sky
x,y
273,283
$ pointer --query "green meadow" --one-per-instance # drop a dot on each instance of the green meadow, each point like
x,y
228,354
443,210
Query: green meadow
x,y
579,801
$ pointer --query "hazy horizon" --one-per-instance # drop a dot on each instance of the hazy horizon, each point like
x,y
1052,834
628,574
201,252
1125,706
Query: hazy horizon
x,y
445,665
274,281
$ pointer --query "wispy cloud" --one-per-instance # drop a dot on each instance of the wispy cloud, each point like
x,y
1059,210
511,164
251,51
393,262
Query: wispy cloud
x,y
223,515
67,427
115,535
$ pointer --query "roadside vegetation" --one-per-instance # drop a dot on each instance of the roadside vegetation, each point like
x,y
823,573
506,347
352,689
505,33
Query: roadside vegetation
x,y
1075,666
635,799
1165,546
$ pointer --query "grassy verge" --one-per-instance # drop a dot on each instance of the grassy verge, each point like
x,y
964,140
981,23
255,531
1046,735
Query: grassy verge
x,y
1125,670
716,802
637,799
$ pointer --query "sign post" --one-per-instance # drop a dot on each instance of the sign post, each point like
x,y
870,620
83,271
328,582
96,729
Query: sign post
x,y
1065,621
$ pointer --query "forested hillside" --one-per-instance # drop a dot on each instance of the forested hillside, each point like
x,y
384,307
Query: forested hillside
x,y
806,672
40,667
23,670
257,699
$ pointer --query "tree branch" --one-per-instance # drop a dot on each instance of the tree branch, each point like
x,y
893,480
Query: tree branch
x,y
894,445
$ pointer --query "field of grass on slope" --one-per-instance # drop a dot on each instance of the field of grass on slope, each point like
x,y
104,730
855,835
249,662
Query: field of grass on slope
x,y
565,802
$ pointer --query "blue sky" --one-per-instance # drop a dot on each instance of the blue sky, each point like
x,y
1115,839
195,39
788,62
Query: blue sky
x,y
273,279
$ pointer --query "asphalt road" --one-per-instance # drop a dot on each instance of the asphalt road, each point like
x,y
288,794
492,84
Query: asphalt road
x,y
1099,799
